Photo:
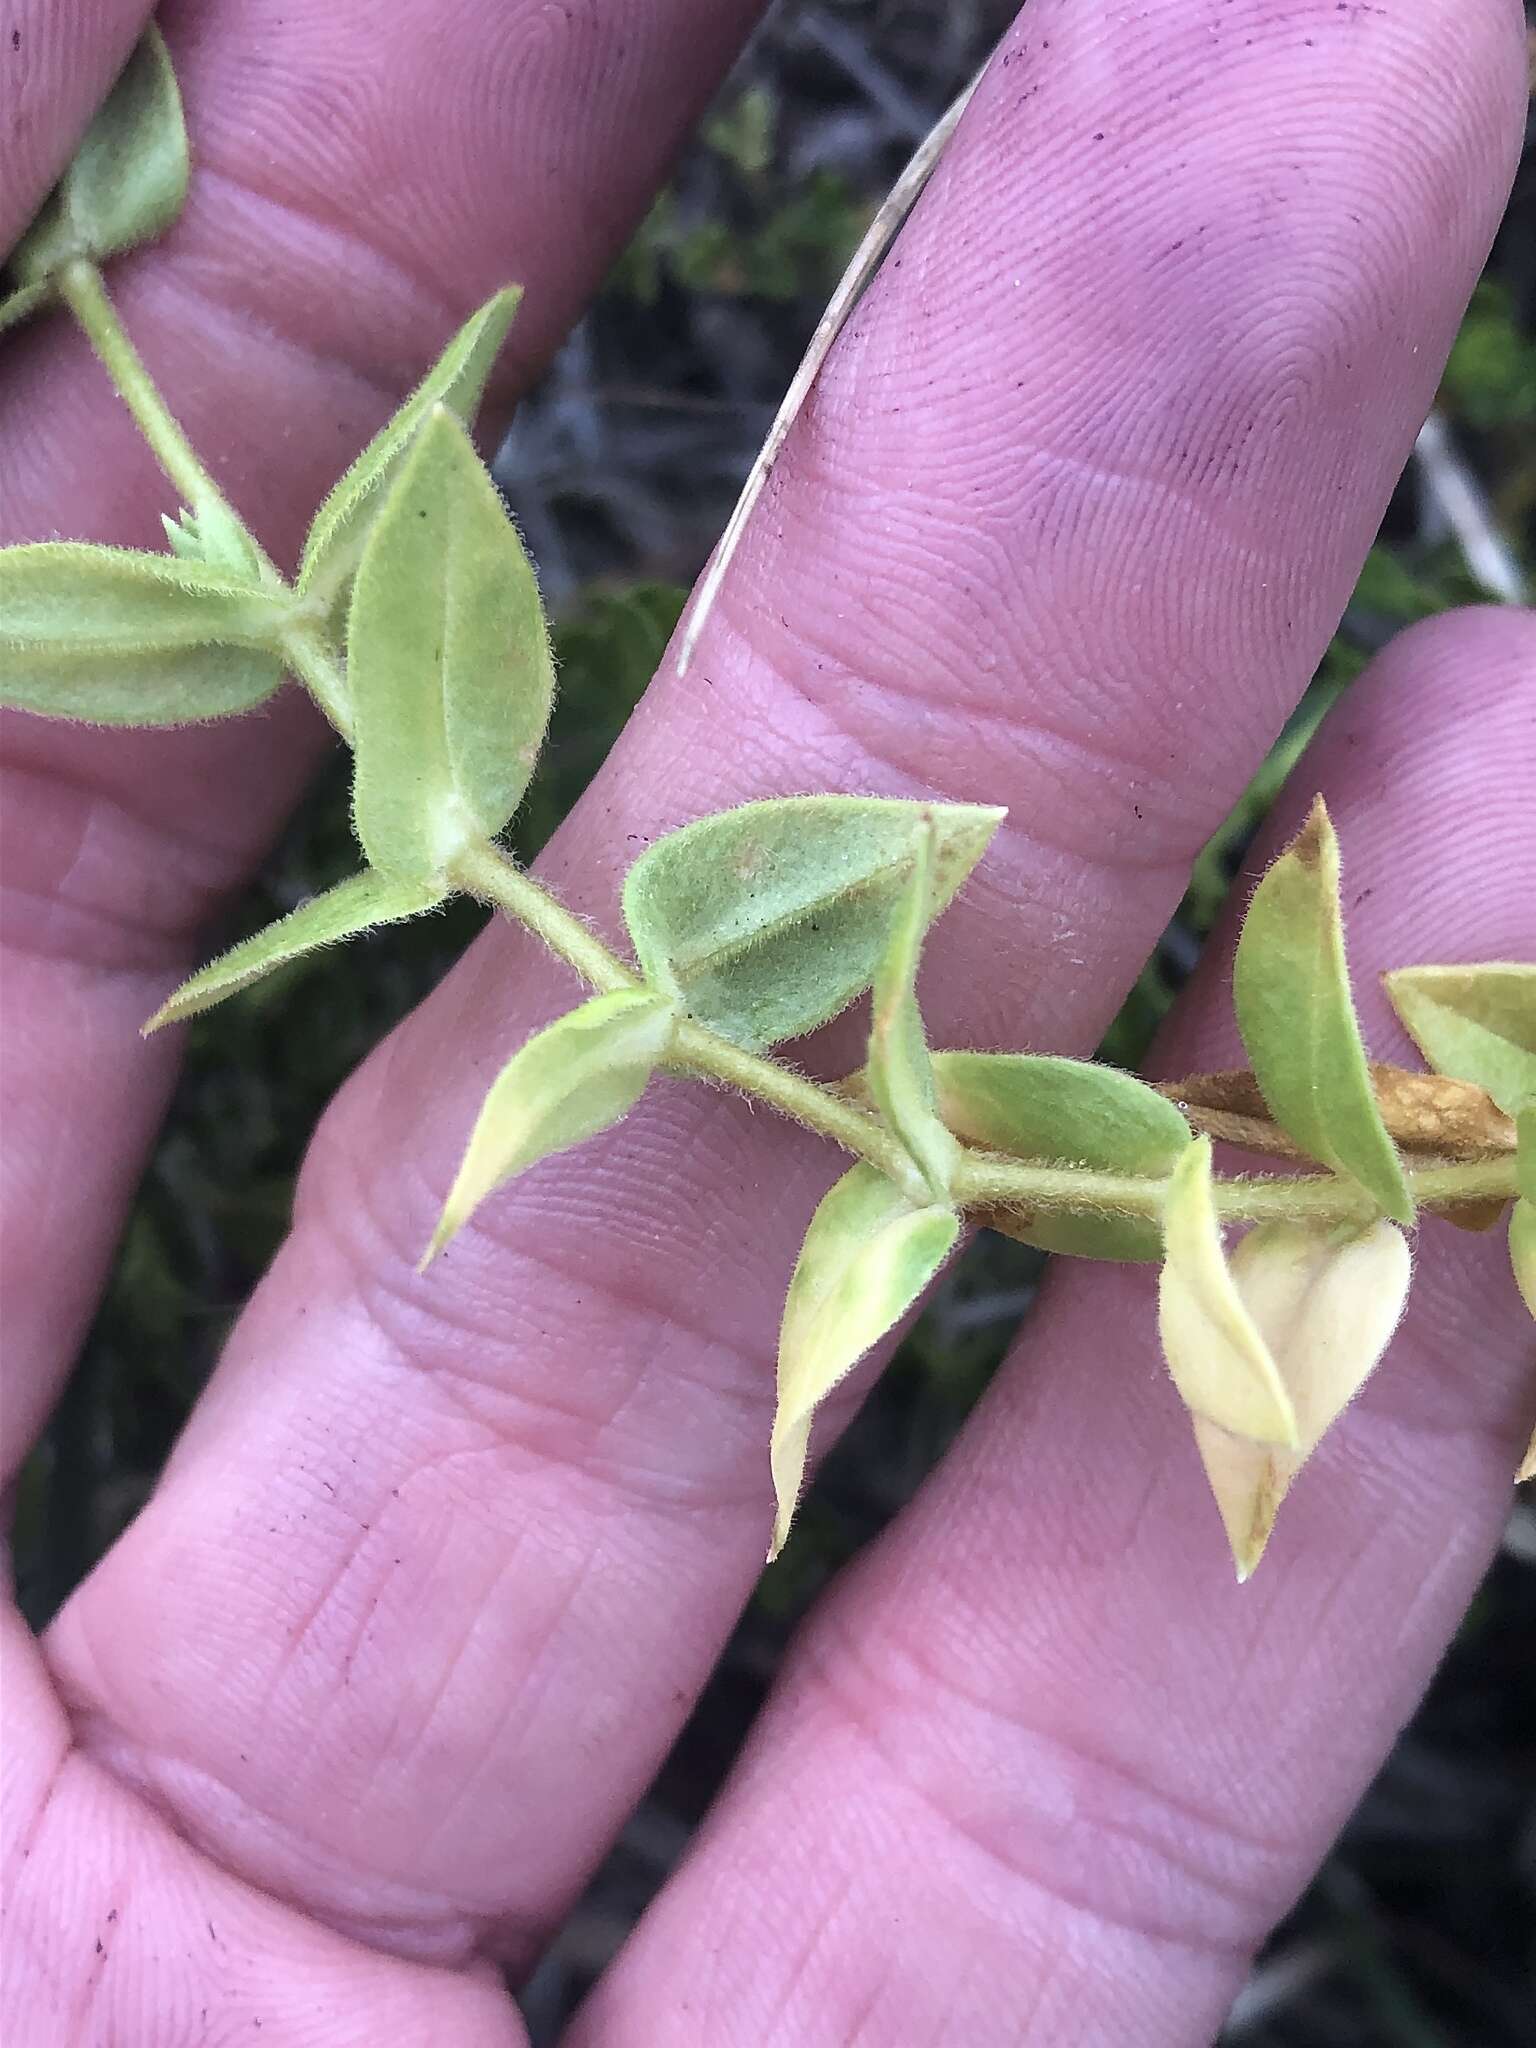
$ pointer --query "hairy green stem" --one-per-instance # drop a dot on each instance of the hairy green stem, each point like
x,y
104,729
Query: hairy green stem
x,y
984,1180
313,659
492,876
84,292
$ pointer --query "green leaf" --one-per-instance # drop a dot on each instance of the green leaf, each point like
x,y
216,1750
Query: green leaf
x,y
1522,1249
1525,1152
766,921
457,379
1069,1113
1325,1305
1476,1023
127,181
118,638
574,1079
900,1070
867,1257
20,304
1290,984
448,662
1220,1362
351,907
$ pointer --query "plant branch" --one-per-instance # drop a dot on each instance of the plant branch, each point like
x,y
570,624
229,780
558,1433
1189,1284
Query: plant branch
x,y
84,292
984,1180
313,659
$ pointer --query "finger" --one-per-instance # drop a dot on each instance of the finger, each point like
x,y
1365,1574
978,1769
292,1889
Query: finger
x,y
454,1556
117,1931
347,209
1040,1726
58,64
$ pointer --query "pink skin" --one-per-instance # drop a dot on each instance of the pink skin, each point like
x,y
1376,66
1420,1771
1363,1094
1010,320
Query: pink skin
x,y
439,1564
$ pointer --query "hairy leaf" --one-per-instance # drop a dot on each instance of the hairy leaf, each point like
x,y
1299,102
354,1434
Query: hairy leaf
x,y
118,638
867,1256
1290,984
458,380
766,921
574,1079
1220,1362
351,907
1065,1112
448,662
900,1070
1325,1306
1477,1023
127,181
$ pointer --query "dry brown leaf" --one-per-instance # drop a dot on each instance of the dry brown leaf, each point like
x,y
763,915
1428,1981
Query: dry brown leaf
x,y
1428,1115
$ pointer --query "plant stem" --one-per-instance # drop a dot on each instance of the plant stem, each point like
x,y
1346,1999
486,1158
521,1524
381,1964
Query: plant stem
x,y
85,293
984,1180
317,665
492,876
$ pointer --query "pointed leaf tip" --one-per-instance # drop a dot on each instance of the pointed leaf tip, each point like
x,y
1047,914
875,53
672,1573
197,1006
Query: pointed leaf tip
x,y
868,1255
1290,985
127,181
575,1078
456,380
352,907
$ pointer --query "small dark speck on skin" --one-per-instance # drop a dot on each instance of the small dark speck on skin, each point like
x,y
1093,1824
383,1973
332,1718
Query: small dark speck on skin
x,y
1136,810
15,38
113,1914
100,1950
1098,135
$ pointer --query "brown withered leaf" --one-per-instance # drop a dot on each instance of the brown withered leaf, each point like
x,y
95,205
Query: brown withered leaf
x,y
1429,1115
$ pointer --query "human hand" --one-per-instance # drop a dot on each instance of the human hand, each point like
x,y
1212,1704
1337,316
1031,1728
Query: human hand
x,y
436,1570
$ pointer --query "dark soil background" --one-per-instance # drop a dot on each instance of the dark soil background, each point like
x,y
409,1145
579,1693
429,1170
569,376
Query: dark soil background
x,y
1421,1930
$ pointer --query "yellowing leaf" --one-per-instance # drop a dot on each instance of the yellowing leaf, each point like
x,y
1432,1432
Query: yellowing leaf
x,y
458,380
765,921
1522,1249
1290,984
1325,1307
119,638
574,1079
1219,1360
448,662
126,182
900,1070
1478,1023
1066,1113
867,1257
351,907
